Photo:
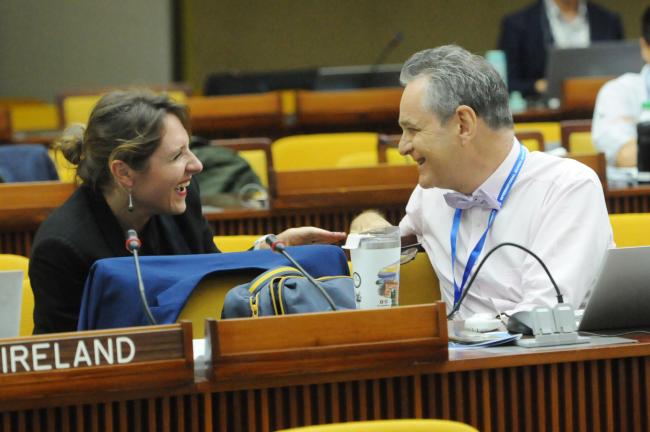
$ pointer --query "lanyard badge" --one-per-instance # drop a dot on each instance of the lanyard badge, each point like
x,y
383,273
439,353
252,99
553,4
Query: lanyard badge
x,y
476,252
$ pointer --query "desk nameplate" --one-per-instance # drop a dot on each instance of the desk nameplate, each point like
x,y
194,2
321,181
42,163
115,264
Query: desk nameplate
x,y
66,363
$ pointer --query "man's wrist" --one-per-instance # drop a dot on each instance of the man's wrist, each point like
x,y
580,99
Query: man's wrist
x,y
260,243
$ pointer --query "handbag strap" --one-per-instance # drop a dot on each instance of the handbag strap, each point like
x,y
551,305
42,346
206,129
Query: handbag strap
x,y
265,277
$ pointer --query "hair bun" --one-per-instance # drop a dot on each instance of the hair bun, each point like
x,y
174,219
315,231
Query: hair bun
x,y
71,143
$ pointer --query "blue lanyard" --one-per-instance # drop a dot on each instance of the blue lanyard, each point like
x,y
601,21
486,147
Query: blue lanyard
x,y
476,252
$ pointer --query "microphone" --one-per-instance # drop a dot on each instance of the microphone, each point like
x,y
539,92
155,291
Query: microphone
x,y
560,298
277,246
393,43
133,245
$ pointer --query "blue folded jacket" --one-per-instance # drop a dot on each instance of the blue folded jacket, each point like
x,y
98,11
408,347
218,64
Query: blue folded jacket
x,y
111,297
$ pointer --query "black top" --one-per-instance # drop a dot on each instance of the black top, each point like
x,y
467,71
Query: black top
x,y
84,230
526,34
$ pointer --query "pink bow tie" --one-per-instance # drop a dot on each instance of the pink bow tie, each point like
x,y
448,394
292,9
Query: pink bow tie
x,y
479,199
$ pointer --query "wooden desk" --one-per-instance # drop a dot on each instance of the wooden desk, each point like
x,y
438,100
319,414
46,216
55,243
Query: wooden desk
x,y
573,388
634,199
22,209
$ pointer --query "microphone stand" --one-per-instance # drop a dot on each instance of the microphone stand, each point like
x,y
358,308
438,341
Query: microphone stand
x,y
390,46
550,327
133,244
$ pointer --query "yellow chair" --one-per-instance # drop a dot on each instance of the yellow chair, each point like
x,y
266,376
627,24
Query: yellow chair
x,y
305,152
256,151
393,157
576,136
18,262
388,151
257,160
550,131
234,243
66,171
406,425
34,117
532,140
77,108
631,229
580,142
207,298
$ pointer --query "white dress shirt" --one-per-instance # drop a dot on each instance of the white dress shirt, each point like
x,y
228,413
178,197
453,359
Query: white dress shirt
x,y
617,111
556,208
572,33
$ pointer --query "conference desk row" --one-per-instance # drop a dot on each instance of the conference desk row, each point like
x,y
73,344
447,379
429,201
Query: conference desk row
x,y
306,202
271,373
272,114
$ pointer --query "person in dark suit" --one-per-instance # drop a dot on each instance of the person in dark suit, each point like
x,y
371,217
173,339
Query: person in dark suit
x,y
137,170
526,35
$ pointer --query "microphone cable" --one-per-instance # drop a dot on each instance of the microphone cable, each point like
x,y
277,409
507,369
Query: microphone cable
x,y
277,246
133,244
560,298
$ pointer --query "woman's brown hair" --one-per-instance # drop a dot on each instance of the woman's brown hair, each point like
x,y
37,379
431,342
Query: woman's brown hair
x,y
124,125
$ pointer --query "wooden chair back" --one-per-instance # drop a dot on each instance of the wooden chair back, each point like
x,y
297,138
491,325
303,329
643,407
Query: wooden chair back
x,y
579,93
576,136
388,153
6,131
247,114
532,140
29,203
347,107
340,179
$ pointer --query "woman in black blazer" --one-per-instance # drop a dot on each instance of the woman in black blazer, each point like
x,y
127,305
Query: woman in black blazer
x,y
136,170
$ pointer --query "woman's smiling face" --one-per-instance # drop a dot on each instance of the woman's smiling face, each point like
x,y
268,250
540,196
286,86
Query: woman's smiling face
x,y
161,187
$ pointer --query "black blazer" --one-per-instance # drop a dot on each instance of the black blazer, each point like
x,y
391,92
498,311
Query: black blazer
x,y
84,230
526,34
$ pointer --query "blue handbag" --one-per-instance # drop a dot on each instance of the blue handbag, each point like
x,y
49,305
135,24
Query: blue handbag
x,y
283,291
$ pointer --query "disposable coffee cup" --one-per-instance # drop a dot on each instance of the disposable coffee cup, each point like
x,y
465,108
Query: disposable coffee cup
x,y
375,264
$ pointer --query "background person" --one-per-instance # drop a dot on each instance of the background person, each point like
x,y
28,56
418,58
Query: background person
x,y
526,35
458,128
137,171
618,108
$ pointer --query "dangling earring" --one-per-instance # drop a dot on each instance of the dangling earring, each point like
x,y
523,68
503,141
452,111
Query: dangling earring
x,y
130,207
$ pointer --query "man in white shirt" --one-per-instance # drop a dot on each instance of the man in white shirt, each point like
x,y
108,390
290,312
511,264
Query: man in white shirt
x,y
476,181
618,108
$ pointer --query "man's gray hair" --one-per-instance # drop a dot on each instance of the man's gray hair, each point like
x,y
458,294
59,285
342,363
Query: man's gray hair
x,y
457,77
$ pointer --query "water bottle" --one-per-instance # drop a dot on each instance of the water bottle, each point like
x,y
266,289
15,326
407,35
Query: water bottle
x,y
497,59
375,261
643,143
517,102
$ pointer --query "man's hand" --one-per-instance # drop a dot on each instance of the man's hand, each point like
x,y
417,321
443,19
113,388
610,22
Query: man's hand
x,y
307,235
367,221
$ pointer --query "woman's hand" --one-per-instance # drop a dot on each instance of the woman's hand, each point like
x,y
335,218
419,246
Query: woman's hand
x,y
309,235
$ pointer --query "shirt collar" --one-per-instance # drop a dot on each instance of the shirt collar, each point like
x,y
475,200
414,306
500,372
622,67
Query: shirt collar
x,y
553,10
493,184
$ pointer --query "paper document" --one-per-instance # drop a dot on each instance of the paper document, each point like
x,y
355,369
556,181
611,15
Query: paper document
x,y
466,339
